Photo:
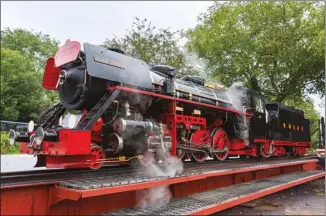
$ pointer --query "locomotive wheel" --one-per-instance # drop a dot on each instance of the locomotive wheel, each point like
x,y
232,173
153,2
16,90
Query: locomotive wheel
x,y
262,151
187,155
201,137
164,157
299,154
293,151
220,142
180,154
99,154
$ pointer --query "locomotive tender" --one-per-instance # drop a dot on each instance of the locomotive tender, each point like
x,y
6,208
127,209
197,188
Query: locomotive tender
x,y
115,108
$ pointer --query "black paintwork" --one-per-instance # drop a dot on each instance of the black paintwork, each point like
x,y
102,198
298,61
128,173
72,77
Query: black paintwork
x,y
107,67
206,95
279,115
136,72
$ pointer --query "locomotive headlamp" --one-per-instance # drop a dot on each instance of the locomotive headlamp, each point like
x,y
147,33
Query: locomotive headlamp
x,y
39,136
63,78
12,137
31,126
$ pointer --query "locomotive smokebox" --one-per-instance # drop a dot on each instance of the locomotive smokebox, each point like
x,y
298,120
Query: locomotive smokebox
x,y
78,90
82,77
70,87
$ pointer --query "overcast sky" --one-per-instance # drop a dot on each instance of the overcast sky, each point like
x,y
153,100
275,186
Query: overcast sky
x,y
92,22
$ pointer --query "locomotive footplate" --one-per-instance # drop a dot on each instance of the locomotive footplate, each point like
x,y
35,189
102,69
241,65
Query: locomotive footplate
x,y
107,184
212,201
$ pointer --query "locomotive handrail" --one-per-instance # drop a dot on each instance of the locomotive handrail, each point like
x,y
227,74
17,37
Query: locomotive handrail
x,y
176,99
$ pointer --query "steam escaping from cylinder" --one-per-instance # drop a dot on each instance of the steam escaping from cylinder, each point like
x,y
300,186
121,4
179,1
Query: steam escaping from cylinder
x,y
167,167
159,196
156,196
237,95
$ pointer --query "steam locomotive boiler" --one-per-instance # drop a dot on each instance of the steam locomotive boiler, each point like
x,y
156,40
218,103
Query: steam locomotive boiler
x,y
114,109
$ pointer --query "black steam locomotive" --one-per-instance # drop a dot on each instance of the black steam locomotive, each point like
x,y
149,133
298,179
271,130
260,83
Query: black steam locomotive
x,y
131,110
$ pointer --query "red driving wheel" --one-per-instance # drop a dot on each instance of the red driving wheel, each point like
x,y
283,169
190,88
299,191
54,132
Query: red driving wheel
x,y
99,154
200,138
181,154
262,151
221,142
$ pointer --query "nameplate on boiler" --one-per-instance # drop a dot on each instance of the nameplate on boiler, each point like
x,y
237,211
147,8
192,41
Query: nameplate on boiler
x,y
110,62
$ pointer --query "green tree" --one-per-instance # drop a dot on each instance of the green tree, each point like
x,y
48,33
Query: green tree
x,y
23,57
154,47
280,43
37,47
22,96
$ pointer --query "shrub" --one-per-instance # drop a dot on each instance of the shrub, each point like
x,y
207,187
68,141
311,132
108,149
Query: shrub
x,y
6,148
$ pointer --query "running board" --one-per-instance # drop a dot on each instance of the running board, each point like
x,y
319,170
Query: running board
x,y
212,201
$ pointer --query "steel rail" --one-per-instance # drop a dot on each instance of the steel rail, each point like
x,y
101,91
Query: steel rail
x,y
15,174
41,177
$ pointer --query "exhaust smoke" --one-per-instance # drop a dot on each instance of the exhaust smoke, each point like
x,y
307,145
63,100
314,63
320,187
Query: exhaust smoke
x,y
237,95
159,197
167,167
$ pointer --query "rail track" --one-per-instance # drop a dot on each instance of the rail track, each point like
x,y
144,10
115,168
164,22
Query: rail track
x,y
200,189
52,176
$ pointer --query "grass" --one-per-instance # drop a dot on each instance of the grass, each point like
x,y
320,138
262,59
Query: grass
x,y
6,148
10,151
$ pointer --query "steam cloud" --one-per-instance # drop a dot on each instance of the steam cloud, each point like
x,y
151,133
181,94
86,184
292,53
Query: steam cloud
x,y
235,93
155,196
159,196
238,98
